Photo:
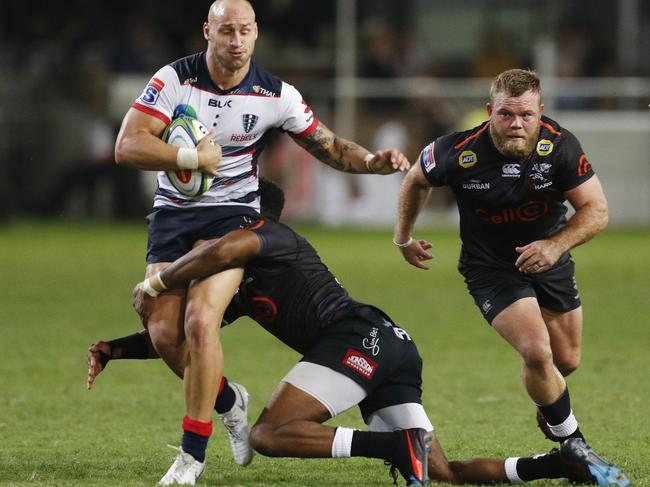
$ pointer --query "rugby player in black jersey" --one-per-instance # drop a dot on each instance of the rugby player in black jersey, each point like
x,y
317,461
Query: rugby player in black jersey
x,y
511,176
353,354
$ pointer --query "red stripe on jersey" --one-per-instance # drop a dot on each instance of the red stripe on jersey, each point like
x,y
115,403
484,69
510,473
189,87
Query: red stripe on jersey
x,y
460,144
150,111
550,128
157,83
309,129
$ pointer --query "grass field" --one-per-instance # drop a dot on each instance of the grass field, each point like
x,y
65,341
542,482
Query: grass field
x,y
62,286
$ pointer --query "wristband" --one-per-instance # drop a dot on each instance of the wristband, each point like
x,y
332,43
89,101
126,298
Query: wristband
x,y
187,159
369,157
153,285
404,244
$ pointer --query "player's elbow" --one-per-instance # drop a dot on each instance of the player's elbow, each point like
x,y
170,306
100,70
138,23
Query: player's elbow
x,y
120,152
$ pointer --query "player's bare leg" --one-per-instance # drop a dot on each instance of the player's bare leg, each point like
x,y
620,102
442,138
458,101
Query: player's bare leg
x,y
165,324
565,330
522,326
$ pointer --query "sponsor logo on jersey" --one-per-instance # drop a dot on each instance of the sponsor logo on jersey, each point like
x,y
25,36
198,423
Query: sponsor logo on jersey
x,y
265,311
510,170
428,160
152,91
583,166
525,213
475,184
243,137
467,159
544,147
249,121
543,185
486,306
360,363
213,102
262,91
190,81
371,342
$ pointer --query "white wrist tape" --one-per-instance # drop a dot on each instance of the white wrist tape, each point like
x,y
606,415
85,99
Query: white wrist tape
x,y
147,288
404,244
153,285
366,160
187,159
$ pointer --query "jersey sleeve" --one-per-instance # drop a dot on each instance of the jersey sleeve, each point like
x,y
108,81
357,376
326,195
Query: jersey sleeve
x,y
296,117
574,168
159,98
433,171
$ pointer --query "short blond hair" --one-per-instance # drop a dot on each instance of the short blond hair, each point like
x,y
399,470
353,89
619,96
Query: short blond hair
x,y
516,82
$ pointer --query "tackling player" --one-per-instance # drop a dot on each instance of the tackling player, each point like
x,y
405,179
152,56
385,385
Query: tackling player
x,y
511,176
353,354
240,102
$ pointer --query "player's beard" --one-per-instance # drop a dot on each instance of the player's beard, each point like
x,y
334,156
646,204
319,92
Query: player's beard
x,y
515,148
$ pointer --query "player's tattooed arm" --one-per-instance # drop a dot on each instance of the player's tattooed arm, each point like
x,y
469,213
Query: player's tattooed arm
x,y
334,151
346,156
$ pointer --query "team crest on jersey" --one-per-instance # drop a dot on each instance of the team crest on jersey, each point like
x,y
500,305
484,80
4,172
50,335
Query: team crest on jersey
x,y
428,161
152,91
544,147
467,159
249,121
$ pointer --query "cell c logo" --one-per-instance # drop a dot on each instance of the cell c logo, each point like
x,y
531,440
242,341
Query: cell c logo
x,y
264,310
467,159
525,213
531,210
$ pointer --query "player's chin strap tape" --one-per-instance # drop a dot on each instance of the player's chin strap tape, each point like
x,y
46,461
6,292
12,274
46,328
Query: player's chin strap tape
x,y
153,285
187,159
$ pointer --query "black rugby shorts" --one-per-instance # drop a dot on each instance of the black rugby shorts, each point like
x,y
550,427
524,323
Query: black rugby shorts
x,y
377,355
494,289
173,231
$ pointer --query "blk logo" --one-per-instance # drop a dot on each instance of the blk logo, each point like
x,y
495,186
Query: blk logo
x,y
213,102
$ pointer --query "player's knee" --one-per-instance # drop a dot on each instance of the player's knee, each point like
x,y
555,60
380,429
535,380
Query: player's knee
x,y
199,329
536,355
567,363
261,438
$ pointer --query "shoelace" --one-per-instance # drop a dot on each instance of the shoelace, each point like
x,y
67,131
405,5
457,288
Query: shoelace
x,y
392,472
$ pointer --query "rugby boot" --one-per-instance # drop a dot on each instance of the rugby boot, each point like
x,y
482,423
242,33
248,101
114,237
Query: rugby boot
x,y
236,423
595,469
411,456
185,470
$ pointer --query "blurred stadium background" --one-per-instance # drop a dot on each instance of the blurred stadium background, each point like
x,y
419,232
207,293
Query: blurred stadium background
x,y
380,72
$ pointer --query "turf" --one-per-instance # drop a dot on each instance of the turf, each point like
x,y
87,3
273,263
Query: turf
x,y
64,285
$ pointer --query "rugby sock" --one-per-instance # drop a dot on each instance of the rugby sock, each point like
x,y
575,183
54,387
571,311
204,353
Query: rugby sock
x,y
547,466
560,418
129,347
195,437
225,397
373,444
342,443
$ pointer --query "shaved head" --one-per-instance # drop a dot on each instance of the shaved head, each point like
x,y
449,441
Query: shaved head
x,y
219,8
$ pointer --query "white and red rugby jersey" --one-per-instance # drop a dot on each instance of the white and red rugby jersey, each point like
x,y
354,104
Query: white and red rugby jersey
x,y
241,117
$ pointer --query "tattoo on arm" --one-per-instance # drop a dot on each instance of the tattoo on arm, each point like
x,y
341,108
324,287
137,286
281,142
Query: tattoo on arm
x,y
334,151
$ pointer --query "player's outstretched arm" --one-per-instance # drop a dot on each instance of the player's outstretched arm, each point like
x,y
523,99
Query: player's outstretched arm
x,y
346,156
414,193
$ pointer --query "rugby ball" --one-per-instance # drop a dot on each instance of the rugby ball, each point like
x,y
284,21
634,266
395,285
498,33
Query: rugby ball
x,y
186,132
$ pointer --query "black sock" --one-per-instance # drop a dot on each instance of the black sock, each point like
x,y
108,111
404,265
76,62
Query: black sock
x,y
557,412
372,444
547,466
225,398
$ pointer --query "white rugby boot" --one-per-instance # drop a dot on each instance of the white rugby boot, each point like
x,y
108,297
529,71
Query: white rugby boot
x,y
236,422
185,470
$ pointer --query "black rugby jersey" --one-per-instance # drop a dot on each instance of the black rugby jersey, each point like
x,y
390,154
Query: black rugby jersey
x,y
290,292
506,203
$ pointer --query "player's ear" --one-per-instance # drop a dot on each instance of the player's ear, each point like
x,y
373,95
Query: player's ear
x,y
488,107
206,31
256,31
541,109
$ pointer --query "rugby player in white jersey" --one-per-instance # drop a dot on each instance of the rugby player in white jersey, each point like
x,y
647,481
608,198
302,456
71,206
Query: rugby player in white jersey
x,y
239,102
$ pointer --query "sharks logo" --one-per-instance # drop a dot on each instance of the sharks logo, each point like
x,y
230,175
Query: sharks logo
x,y
249,121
